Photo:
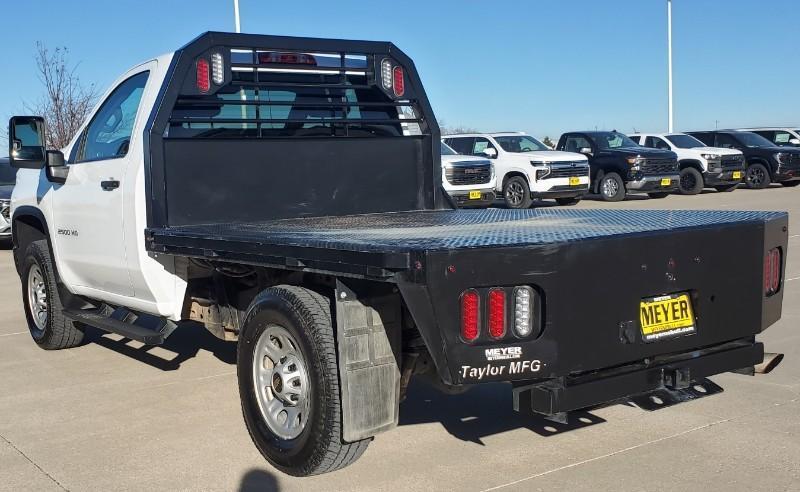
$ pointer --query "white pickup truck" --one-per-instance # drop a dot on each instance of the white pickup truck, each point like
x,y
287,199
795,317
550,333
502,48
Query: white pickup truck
x,y
270,189
701,166
526,168
468,180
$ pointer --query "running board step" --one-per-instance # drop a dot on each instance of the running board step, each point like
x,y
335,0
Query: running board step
x,y
145,328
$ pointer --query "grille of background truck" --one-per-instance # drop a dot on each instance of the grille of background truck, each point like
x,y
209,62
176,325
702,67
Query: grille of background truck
x,y
569,172
472,175
730,162
659,166
333,94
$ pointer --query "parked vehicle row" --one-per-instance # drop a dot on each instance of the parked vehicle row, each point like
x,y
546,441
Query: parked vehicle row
x,y
614,165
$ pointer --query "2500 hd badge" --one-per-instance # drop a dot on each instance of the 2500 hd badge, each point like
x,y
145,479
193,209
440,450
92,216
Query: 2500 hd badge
x,y
511,368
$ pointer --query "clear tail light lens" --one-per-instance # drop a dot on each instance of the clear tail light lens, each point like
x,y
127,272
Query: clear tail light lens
x,y
386,73
217,70
470,319
497,313
523,311
203,75
398,78
772,271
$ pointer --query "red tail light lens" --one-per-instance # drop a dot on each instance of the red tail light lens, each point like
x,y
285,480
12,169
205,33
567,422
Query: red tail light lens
x,y
772,271
470,305
287,58
203,75
399,81
497,313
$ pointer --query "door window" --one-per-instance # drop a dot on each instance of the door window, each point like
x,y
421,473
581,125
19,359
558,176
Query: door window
x,y
482,144
461,145
726,141
782,138
108,136
656,143
574,143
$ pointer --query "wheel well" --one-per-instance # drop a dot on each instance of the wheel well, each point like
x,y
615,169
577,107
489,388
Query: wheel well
x,y
512,174
26,229
690,163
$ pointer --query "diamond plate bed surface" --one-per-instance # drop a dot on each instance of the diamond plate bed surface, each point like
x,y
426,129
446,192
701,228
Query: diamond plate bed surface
x,y
453,229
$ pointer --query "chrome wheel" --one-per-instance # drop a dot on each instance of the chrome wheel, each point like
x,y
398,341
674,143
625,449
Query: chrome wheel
x,y
610,187
281,382
37,297
514,193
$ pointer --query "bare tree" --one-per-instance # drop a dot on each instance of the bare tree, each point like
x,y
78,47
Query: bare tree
x,y
66,102
445,129
549,142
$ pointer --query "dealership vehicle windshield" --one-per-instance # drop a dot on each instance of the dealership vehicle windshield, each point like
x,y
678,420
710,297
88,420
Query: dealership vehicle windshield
x,y
752,140
520,143
685,141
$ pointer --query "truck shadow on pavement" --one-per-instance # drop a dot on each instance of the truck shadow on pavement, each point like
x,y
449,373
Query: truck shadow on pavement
x,y
188,339
483,411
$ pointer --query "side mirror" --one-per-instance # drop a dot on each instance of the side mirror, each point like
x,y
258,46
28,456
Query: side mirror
x,y
26,147
489,152
586,151
57,169
795,141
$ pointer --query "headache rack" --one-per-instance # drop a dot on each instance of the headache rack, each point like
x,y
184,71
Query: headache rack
x,y
220,141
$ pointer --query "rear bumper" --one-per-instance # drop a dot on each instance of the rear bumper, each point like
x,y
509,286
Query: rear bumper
x,y
653,183
672,372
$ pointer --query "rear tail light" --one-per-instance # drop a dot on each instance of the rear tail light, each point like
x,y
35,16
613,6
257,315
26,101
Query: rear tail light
x,y
386,73
523,311
497,313
203,79
470,305
399,81
217,70
772,271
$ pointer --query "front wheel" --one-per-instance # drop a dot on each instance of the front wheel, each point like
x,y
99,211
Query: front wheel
x,y
691,181
517,193
757,177
289,383
612,188
790,184
568,202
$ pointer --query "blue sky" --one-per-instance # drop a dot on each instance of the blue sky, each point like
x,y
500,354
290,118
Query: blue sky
x,y
542,66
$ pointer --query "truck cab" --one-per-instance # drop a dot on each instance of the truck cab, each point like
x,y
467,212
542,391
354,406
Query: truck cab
x,y
621,166
701,166
526,168
468,180
765,161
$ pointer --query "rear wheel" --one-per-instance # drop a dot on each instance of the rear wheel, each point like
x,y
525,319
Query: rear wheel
x,y
567,202
612,188
790,184
43,309
517,193
288,383
725,188
658,194
757,176
691,181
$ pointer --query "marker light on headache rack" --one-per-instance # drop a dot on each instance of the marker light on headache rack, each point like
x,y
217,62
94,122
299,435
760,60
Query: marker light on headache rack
x,y
399,81
386,73
203,81
217,72
286,58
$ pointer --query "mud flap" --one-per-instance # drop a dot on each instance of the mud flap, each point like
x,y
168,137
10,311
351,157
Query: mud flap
x,y
368,343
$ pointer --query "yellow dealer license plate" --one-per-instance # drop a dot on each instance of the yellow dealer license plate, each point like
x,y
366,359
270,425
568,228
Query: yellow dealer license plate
x,y
574,181
737,175
474,195
666,181
666,317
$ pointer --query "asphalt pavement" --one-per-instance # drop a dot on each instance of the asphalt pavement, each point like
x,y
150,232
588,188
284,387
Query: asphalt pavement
x,y
114,416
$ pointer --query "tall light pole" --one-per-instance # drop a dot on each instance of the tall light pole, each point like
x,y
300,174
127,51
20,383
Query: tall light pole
x,y
669,56
236,15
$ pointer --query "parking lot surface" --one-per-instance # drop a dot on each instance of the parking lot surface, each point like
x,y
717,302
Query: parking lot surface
x,y
115,416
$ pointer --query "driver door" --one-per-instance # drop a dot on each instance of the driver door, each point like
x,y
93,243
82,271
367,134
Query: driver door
x,y
89,208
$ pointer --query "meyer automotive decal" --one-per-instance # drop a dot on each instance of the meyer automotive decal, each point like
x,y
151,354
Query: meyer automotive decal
x,y
512,368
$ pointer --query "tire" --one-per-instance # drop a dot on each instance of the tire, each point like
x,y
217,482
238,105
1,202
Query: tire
x,y
517,193
568,202
300,320
790,184
611,187
658,195
691,181
725,188
757,177
43,309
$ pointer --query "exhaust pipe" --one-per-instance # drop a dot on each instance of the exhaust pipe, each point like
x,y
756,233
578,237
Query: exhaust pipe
x,y
771,361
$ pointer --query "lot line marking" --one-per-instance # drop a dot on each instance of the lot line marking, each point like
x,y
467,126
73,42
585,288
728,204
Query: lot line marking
x,y
12,334
596,458
793,278
32,462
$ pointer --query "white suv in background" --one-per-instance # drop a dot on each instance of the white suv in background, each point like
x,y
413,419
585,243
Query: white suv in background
x,y
526,168
470,181
701,166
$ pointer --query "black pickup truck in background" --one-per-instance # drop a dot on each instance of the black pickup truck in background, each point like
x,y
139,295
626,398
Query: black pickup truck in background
x,y
326,248
620,166
765,161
